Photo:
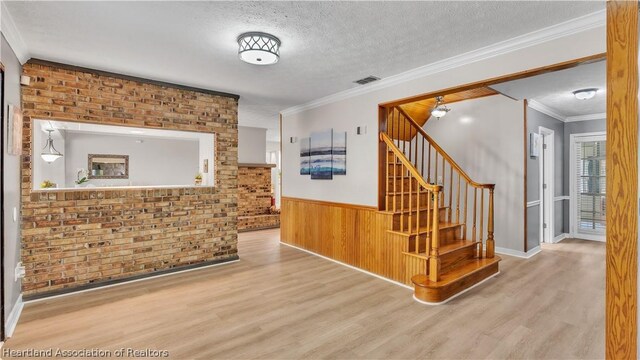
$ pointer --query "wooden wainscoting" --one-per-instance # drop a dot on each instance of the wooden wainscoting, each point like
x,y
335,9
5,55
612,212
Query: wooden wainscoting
x,y
353,234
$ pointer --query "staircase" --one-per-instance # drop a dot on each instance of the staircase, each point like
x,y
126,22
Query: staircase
x,y
443,218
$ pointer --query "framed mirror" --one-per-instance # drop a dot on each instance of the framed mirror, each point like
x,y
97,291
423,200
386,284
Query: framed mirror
x,y
105,166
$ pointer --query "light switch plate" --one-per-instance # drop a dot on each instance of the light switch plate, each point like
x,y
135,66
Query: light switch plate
x,y
15,214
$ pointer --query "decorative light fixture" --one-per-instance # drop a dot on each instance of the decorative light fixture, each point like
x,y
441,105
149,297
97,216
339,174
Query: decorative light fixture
x,y
585,94
259,48
440,109
49,152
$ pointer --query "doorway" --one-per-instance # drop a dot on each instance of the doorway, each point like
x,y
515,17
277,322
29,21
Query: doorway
x,y
588,186
547,185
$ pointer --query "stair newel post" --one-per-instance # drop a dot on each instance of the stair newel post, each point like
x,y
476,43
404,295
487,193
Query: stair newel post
x,y
418,192
491,246
402,208
434,255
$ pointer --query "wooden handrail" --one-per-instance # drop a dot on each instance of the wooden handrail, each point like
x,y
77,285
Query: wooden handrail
x,y
403,159
444,153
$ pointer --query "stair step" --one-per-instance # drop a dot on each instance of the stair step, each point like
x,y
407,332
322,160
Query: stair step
x,y
423,209
447,248
457,279
425,229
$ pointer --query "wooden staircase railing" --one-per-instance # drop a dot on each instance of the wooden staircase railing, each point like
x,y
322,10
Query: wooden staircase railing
x,y
403,169
438,174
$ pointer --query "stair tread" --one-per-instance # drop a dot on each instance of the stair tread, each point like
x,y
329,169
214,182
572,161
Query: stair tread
x,y
446,249
425,229
468,267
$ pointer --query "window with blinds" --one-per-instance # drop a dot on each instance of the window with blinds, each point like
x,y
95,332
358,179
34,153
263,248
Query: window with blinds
x,y
591,186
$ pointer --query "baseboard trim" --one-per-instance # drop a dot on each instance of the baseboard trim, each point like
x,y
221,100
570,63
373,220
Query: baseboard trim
x,y
14,316
560,237
456,295
349,266
259,228
516,253
128,280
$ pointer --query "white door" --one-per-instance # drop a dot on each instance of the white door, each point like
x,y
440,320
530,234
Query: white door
x,y
588,195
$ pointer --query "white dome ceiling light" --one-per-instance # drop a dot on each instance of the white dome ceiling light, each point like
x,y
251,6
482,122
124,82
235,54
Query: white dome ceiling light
x,y
585,94
440,109
259,48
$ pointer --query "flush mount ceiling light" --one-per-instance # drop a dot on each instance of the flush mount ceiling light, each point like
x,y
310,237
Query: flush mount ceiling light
x,y
440,109
49,152
585,94
259,48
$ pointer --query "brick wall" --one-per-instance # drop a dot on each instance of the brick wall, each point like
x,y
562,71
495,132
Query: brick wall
x,y
254,198
76,238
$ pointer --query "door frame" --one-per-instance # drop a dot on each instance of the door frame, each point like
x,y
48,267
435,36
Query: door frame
x,y
573,202
3,332
546,166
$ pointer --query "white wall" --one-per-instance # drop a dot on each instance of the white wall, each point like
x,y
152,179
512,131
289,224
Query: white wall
x,y
252,145
485,137
359,186
155,161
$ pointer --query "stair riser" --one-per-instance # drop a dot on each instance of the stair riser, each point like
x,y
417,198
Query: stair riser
x,y
406,201
403,185
446,236
456,257
399,220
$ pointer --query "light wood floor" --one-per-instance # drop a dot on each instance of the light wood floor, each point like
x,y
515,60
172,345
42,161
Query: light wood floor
x,y
279,302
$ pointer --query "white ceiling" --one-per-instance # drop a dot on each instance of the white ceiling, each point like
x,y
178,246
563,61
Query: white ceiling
x,y
325,45
555,90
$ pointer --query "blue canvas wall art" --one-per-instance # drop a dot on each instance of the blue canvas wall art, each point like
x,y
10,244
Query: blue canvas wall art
x,y
339,153
305,156
321,158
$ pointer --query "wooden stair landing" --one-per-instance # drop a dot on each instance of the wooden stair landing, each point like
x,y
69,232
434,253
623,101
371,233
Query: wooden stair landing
x,y
456,280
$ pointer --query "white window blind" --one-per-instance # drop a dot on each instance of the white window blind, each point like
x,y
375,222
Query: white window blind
x,y
591,186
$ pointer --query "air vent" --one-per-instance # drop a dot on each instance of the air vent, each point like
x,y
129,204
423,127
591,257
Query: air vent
x,y
367,80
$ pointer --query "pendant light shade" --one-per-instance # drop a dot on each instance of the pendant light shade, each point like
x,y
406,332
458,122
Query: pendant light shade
x,y
259,48
49,152
440,109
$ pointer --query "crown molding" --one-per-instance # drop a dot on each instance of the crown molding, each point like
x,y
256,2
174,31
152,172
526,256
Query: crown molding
x,y
598,116
545,110
573,26
12,35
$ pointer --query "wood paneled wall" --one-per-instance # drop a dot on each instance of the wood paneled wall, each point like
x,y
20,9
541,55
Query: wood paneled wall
x,y
622,180
351,234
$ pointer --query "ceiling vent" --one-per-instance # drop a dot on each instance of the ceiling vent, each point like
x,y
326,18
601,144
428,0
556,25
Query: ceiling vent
x,y
367,80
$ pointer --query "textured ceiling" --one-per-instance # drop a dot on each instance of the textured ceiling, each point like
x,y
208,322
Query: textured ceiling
x,y
325,45
555,90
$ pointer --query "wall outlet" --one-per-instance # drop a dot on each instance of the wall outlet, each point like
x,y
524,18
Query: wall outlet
x,y
20,271
361,130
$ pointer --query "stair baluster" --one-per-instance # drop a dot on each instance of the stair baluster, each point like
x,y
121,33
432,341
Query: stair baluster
x,y
490,242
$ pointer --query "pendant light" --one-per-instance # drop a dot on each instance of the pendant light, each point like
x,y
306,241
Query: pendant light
x,y
49,152
440,109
